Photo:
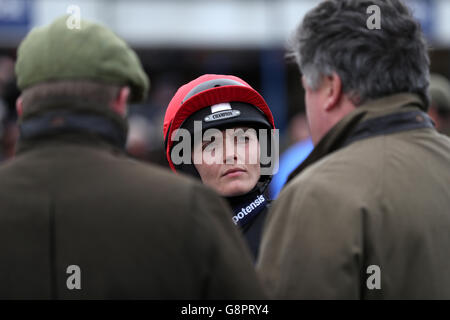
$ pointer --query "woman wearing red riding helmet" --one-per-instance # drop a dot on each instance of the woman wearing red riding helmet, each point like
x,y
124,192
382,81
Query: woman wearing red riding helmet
x,y
216,128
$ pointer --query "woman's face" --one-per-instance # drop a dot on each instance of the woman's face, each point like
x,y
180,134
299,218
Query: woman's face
x,y
229,161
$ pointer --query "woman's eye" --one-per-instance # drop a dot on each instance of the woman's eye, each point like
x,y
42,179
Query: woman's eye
x,y
208,143
205,144
243,139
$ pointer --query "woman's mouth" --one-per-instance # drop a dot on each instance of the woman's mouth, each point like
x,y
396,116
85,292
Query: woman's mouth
x,y
234,172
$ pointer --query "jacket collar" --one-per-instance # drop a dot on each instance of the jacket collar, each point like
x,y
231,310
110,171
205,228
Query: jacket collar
x,y
65,120
338,135
67,127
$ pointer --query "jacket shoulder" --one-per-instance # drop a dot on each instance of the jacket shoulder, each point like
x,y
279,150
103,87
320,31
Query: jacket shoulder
x,y
355,169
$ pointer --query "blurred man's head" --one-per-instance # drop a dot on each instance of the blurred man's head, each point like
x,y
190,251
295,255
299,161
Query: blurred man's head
x,y
440,102
344,63
90,67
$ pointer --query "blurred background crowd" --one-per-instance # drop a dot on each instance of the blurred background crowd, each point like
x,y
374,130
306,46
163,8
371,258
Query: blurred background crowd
x,y
178,40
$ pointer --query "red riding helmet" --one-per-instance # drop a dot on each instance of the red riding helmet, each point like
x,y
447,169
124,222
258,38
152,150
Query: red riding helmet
x,y
209,90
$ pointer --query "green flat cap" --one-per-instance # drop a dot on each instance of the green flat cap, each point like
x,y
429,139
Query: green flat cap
x,y
93,52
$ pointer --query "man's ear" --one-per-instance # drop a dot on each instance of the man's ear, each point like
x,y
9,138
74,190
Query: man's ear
x,y
333,85
120,104
19,106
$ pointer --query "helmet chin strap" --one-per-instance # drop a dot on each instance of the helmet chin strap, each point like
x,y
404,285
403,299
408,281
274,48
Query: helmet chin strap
x,y
265,184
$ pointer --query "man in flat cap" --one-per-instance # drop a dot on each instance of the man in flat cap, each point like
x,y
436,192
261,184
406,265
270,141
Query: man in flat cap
x,y
367,214
78,218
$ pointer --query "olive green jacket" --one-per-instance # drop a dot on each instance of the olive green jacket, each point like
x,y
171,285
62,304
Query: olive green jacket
x,y
354,213
133,230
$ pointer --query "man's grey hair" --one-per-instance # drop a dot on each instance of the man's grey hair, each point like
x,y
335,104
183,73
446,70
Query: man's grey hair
x,y
371,63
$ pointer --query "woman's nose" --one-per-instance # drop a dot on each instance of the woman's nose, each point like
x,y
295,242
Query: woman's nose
x,y
229,152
